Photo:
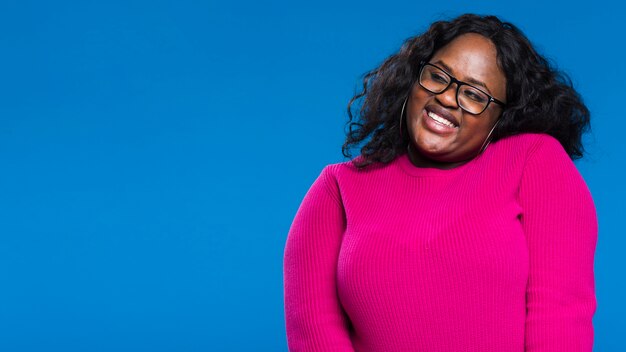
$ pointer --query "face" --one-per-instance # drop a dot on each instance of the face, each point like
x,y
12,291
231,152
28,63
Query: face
x,y
469,58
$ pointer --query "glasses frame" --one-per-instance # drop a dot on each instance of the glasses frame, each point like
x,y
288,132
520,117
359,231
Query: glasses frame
x,y
458,86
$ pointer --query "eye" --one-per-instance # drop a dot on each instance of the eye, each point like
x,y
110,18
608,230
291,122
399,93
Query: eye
x,y
437,77
475,95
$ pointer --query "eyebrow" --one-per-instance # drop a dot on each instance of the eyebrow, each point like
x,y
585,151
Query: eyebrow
x,y
469,80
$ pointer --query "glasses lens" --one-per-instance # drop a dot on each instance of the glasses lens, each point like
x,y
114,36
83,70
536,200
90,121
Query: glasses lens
x,y
434,79
472,99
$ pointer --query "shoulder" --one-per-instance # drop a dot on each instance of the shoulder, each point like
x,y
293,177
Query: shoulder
x,y
538,153
334,171
551,180
526,146
542,148
347,169
530,141
548,165
345,175
545,145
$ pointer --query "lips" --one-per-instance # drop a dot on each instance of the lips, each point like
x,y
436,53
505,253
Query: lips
x,y
443,113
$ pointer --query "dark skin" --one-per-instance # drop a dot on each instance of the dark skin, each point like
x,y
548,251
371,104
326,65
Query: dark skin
x,y
469,57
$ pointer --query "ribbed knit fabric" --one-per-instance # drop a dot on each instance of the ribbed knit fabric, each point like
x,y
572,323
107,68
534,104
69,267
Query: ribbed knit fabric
x,y
494,255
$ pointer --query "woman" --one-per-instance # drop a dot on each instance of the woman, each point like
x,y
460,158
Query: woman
x,y
464,224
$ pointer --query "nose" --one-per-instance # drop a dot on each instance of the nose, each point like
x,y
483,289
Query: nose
x,y
447,98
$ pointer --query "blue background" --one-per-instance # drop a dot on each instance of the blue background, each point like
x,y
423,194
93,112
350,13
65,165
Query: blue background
x,y
154,154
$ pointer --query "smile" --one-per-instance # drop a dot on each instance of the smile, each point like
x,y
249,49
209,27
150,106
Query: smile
x,y
441,120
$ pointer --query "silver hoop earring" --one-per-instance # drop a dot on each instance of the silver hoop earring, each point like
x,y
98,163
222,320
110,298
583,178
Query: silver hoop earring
x,y
487,140
402,114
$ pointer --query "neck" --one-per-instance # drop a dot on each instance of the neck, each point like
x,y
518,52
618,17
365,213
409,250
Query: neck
x,y
420,160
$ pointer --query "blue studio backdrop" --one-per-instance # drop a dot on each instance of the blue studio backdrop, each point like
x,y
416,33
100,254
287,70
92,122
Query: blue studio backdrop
x,y
154,154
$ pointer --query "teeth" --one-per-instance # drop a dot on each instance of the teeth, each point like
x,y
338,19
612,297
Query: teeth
x,y
440,119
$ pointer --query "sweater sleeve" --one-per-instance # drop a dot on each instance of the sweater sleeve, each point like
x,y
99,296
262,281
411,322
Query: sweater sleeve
x,y
560,225
315,320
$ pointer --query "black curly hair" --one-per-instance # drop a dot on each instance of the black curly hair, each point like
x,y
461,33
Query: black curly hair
x,y
540,98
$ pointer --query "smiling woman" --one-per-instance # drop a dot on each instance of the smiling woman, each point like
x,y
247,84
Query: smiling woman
x,y
471,57
464,224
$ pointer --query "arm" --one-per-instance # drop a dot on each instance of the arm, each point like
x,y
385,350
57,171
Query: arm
x,y
560,224
315,320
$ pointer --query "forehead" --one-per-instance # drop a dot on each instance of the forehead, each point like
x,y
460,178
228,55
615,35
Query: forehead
x,y
473,57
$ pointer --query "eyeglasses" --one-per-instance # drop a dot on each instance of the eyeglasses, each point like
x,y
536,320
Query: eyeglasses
x,y
468,97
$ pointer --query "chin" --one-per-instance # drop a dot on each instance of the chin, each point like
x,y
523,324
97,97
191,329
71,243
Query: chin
x,y
433,146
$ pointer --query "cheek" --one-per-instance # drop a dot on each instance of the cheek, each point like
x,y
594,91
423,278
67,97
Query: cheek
x,y
418,99
478,126
419,93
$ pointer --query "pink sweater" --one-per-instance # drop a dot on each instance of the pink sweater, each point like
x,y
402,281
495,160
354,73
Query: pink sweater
x,y
495,255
